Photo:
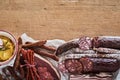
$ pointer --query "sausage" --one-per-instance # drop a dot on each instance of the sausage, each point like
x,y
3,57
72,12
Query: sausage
x,y
87,64
90,77
47,54
99,64
78,56
107,50
79,51
32,45
91,65
66,46
73,66
107,42
85,43
36,44
17,59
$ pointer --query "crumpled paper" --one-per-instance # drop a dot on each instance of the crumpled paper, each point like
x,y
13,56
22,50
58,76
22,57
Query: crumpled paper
x,y
55,42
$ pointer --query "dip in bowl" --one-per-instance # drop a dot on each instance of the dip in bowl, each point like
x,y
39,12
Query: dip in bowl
x,y
8,47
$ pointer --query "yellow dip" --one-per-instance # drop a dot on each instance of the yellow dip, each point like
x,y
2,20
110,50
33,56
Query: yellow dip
x,y
6,51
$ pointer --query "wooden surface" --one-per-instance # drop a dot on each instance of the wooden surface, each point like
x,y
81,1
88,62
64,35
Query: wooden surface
x,y
63,19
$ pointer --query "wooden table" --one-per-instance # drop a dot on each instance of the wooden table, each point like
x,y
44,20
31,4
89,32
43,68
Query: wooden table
x,y
63,19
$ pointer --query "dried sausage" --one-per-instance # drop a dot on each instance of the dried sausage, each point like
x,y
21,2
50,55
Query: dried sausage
x,y
107,42
91,65
73,66
107,50
66,46
85,43
99,64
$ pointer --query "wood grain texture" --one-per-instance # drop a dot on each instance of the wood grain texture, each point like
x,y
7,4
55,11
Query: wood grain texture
x,y
63,19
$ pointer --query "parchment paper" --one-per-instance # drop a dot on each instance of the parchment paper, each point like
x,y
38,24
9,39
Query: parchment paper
x,y
56,43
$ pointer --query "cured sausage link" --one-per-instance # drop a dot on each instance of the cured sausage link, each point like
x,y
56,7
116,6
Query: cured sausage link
x,y
83,43
107,50
99,64
43,53
107,42
91,65
66,46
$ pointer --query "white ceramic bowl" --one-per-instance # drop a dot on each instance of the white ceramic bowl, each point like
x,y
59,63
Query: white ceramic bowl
x,y
14,41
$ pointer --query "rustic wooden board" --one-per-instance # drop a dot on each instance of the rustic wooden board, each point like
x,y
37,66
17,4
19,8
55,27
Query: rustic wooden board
x,y
63,19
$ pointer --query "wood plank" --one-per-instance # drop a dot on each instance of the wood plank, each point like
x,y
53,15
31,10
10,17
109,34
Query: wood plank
x,y
64,19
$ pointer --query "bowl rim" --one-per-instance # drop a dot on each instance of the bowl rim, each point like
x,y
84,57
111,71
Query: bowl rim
x,y
15,49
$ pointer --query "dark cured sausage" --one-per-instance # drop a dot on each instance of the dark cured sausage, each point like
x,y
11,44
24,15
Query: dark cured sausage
x,y
66,46
78,56
99,64
91,65
84,43
107,50
107,42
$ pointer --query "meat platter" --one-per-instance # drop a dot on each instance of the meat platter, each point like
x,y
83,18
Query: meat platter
x,y
84,58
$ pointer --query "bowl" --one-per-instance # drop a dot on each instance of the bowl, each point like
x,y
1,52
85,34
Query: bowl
x,y
11,38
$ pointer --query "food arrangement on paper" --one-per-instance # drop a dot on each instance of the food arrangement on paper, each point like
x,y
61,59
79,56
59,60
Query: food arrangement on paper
x,y
84,58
